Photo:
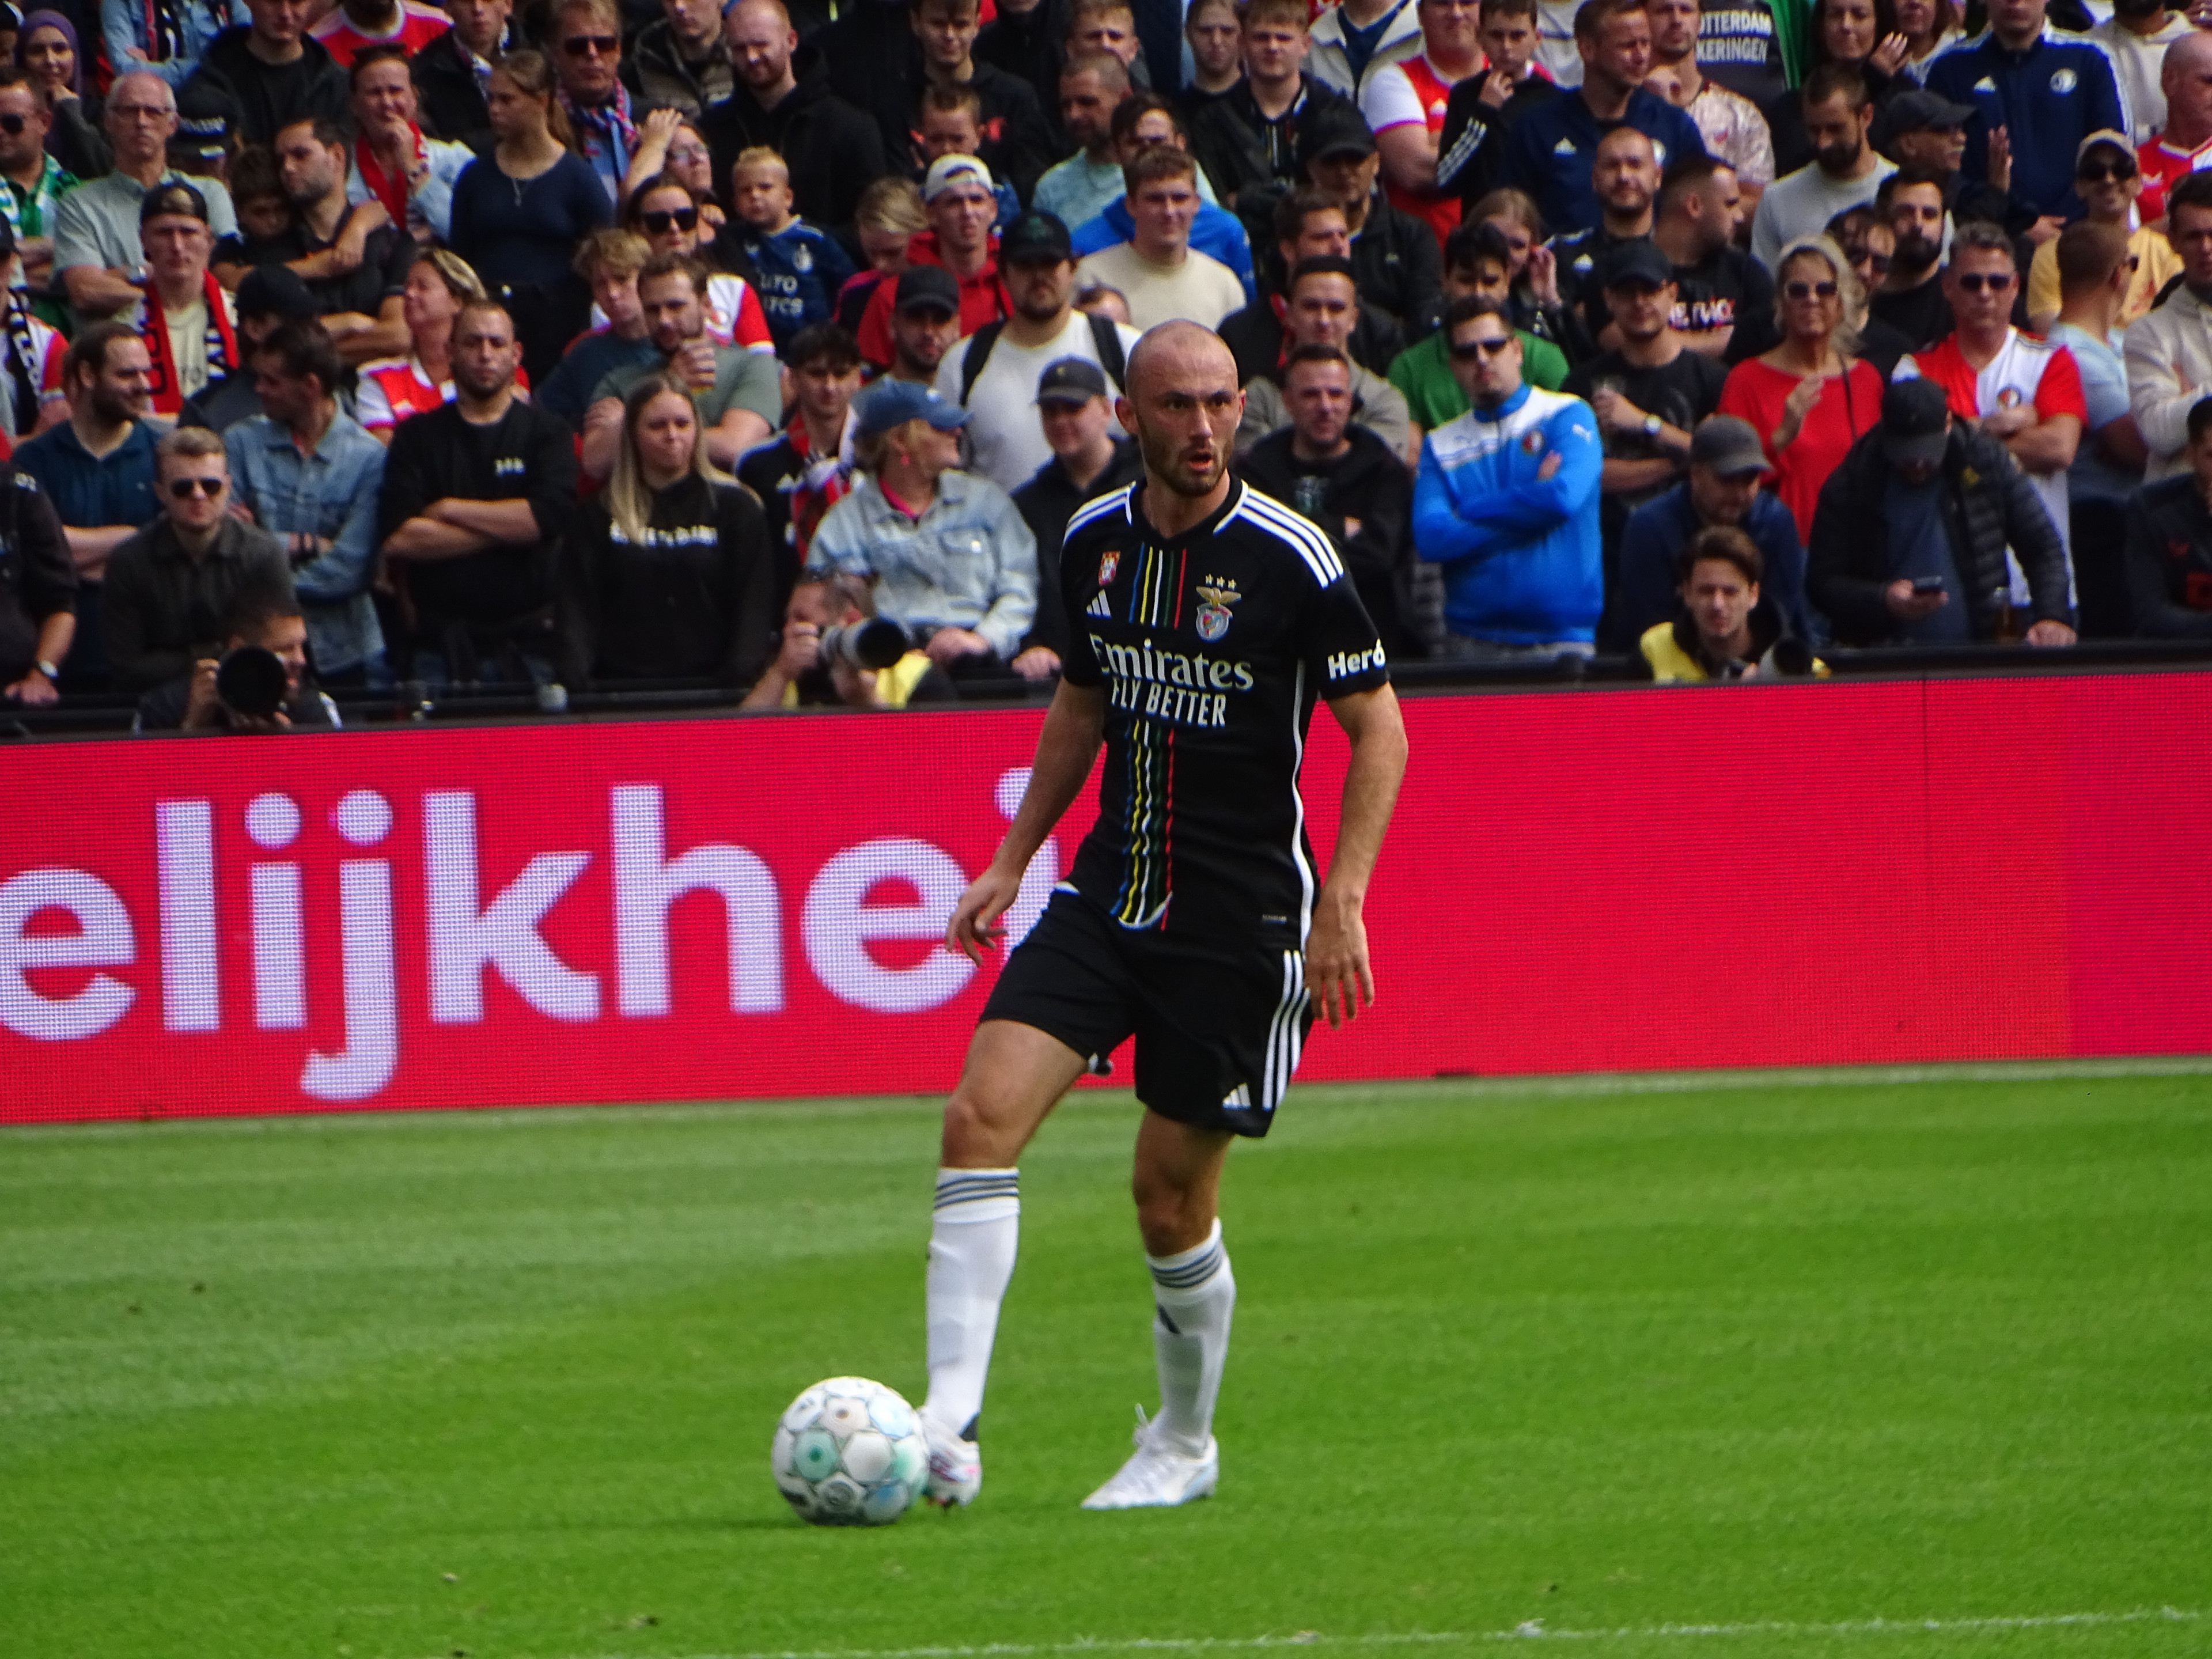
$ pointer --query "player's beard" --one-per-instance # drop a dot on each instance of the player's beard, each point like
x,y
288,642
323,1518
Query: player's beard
x,y
1170,460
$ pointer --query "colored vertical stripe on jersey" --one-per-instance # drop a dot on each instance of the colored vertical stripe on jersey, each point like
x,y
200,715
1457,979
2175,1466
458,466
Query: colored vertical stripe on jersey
x,y
1155,601
1144,896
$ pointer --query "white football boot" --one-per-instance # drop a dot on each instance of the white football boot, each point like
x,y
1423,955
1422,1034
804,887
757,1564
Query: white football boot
x,y
955,1466
1157,1475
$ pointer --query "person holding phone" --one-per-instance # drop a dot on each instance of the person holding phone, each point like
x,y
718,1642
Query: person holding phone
x,y
1909,542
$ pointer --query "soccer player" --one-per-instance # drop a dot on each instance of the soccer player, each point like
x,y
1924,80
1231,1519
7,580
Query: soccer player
x,y
1204,620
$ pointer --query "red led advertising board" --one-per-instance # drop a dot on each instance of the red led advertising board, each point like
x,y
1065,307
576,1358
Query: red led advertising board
x,y
1603,880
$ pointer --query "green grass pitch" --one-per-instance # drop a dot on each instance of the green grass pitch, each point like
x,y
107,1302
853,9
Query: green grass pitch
x,y
1842,1365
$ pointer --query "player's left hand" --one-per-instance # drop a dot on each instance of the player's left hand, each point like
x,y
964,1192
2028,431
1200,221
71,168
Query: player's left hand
x,y
1338,978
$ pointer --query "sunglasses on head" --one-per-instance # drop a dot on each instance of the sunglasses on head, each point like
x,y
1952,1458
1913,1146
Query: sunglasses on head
x,y
578,45
660,223
185,488
2097,173
1801,289
1997,282
1469,351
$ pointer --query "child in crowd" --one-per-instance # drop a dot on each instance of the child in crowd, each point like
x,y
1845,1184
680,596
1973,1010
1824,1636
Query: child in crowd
x,y
265,212
952,124
800,265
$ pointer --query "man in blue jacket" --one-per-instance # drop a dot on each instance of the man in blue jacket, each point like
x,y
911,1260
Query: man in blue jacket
x,y
1506,501
1553,146
2043,90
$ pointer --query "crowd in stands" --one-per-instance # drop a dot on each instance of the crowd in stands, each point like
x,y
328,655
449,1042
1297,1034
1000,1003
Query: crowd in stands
x,y
769,349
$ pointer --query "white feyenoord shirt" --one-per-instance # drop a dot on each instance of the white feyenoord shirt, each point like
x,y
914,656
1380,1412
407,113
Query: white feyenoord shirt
x,y
2026,369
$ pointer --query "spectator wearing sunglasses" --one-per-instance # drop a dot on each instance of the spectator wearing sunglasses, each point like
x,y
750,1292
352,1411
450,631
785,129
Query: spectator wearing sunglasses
x,y
587,67
1870,246
1506,502
2107,178
275,70
2025,392
2044,91
1811,396
169,586
667,214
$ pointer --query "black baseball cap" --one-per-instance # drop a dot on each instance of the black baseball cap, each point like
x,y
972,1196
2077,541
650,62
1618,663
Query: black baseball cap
x,y
1916,422
926,287
174,198
1918,110
1038,236
1071,380
1639,265
1334,132
1727,446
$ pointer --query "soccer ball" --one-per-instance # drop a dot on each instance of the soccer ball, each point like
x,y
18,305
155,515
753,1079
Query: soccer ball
x,y
849,1453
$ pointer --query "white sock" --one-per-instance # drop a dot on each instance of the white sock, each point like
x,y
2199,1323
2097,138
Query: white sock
x,y
971,1257
1193,1294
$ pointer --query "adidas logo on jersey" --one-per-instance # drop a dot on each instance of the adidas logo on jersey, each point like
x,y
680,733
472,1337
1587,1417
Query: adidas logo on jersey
x,y
1239,1095
1565,147
1098,607
1986,85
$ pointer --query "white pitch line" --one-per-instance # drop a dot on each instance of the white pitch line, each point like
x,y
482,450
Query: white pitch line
x,y
1533,1630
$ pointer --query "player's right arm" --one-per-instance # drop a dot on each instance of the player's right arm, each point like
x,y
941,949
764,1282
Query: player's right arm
x,y
1074,726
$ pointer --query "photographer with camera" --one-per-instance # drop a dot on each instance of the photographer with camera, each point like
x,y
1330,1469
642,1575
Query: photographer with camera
x,y
836,650
954,564
170,585
258,682
670,574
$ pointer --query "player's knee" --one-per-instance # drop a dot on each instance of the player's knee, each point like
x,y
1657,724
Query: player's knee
x,y
1170,1216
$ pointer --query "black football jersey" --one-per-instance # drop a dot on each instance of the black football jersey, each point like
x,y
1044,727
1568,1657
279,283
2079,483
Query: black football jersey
x,y
1212,647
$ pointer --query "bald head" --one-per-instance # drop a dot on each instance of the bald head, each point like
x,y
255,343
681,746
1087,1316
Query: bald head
x,y
1180,353
2186,79
1183,405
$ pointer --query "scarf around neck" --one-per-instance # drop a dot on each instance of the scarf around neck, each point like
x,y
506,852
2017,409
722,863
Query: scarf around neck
x,y
166,384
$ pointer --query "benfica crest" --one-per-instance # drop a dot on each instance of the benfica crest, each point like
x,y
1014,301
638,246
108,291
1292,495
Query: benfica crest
x,y
1214,615
1108,563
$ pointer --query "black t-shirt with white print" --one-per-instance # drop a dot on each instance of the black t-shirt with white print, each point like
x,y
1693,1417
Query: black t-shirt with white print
x,y
1212,647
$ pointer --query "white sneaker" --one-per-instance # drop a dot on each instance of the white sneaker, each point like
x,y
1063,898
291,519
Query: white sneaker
x,y
955,1466
1159,1476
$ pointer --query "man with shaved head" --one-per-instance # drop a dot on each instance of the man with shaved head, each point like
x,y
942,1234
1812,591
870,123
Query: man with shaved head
x,y
783,100
1203,620
2185,77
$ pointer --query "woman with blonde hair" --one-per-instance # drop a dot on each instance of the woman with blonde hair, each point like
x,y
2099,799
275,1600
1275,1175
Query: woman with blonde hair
x,y
520,212
670,575
1811,396
438,283
889,218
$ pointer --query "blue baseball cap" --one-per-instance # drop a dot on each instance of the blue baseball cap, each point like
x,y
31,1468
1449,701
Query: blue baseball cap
x,y
891,403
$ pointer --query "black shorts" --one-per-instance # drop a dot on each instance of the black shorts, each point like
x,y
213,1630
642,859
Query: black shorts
x,y
1219,1023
